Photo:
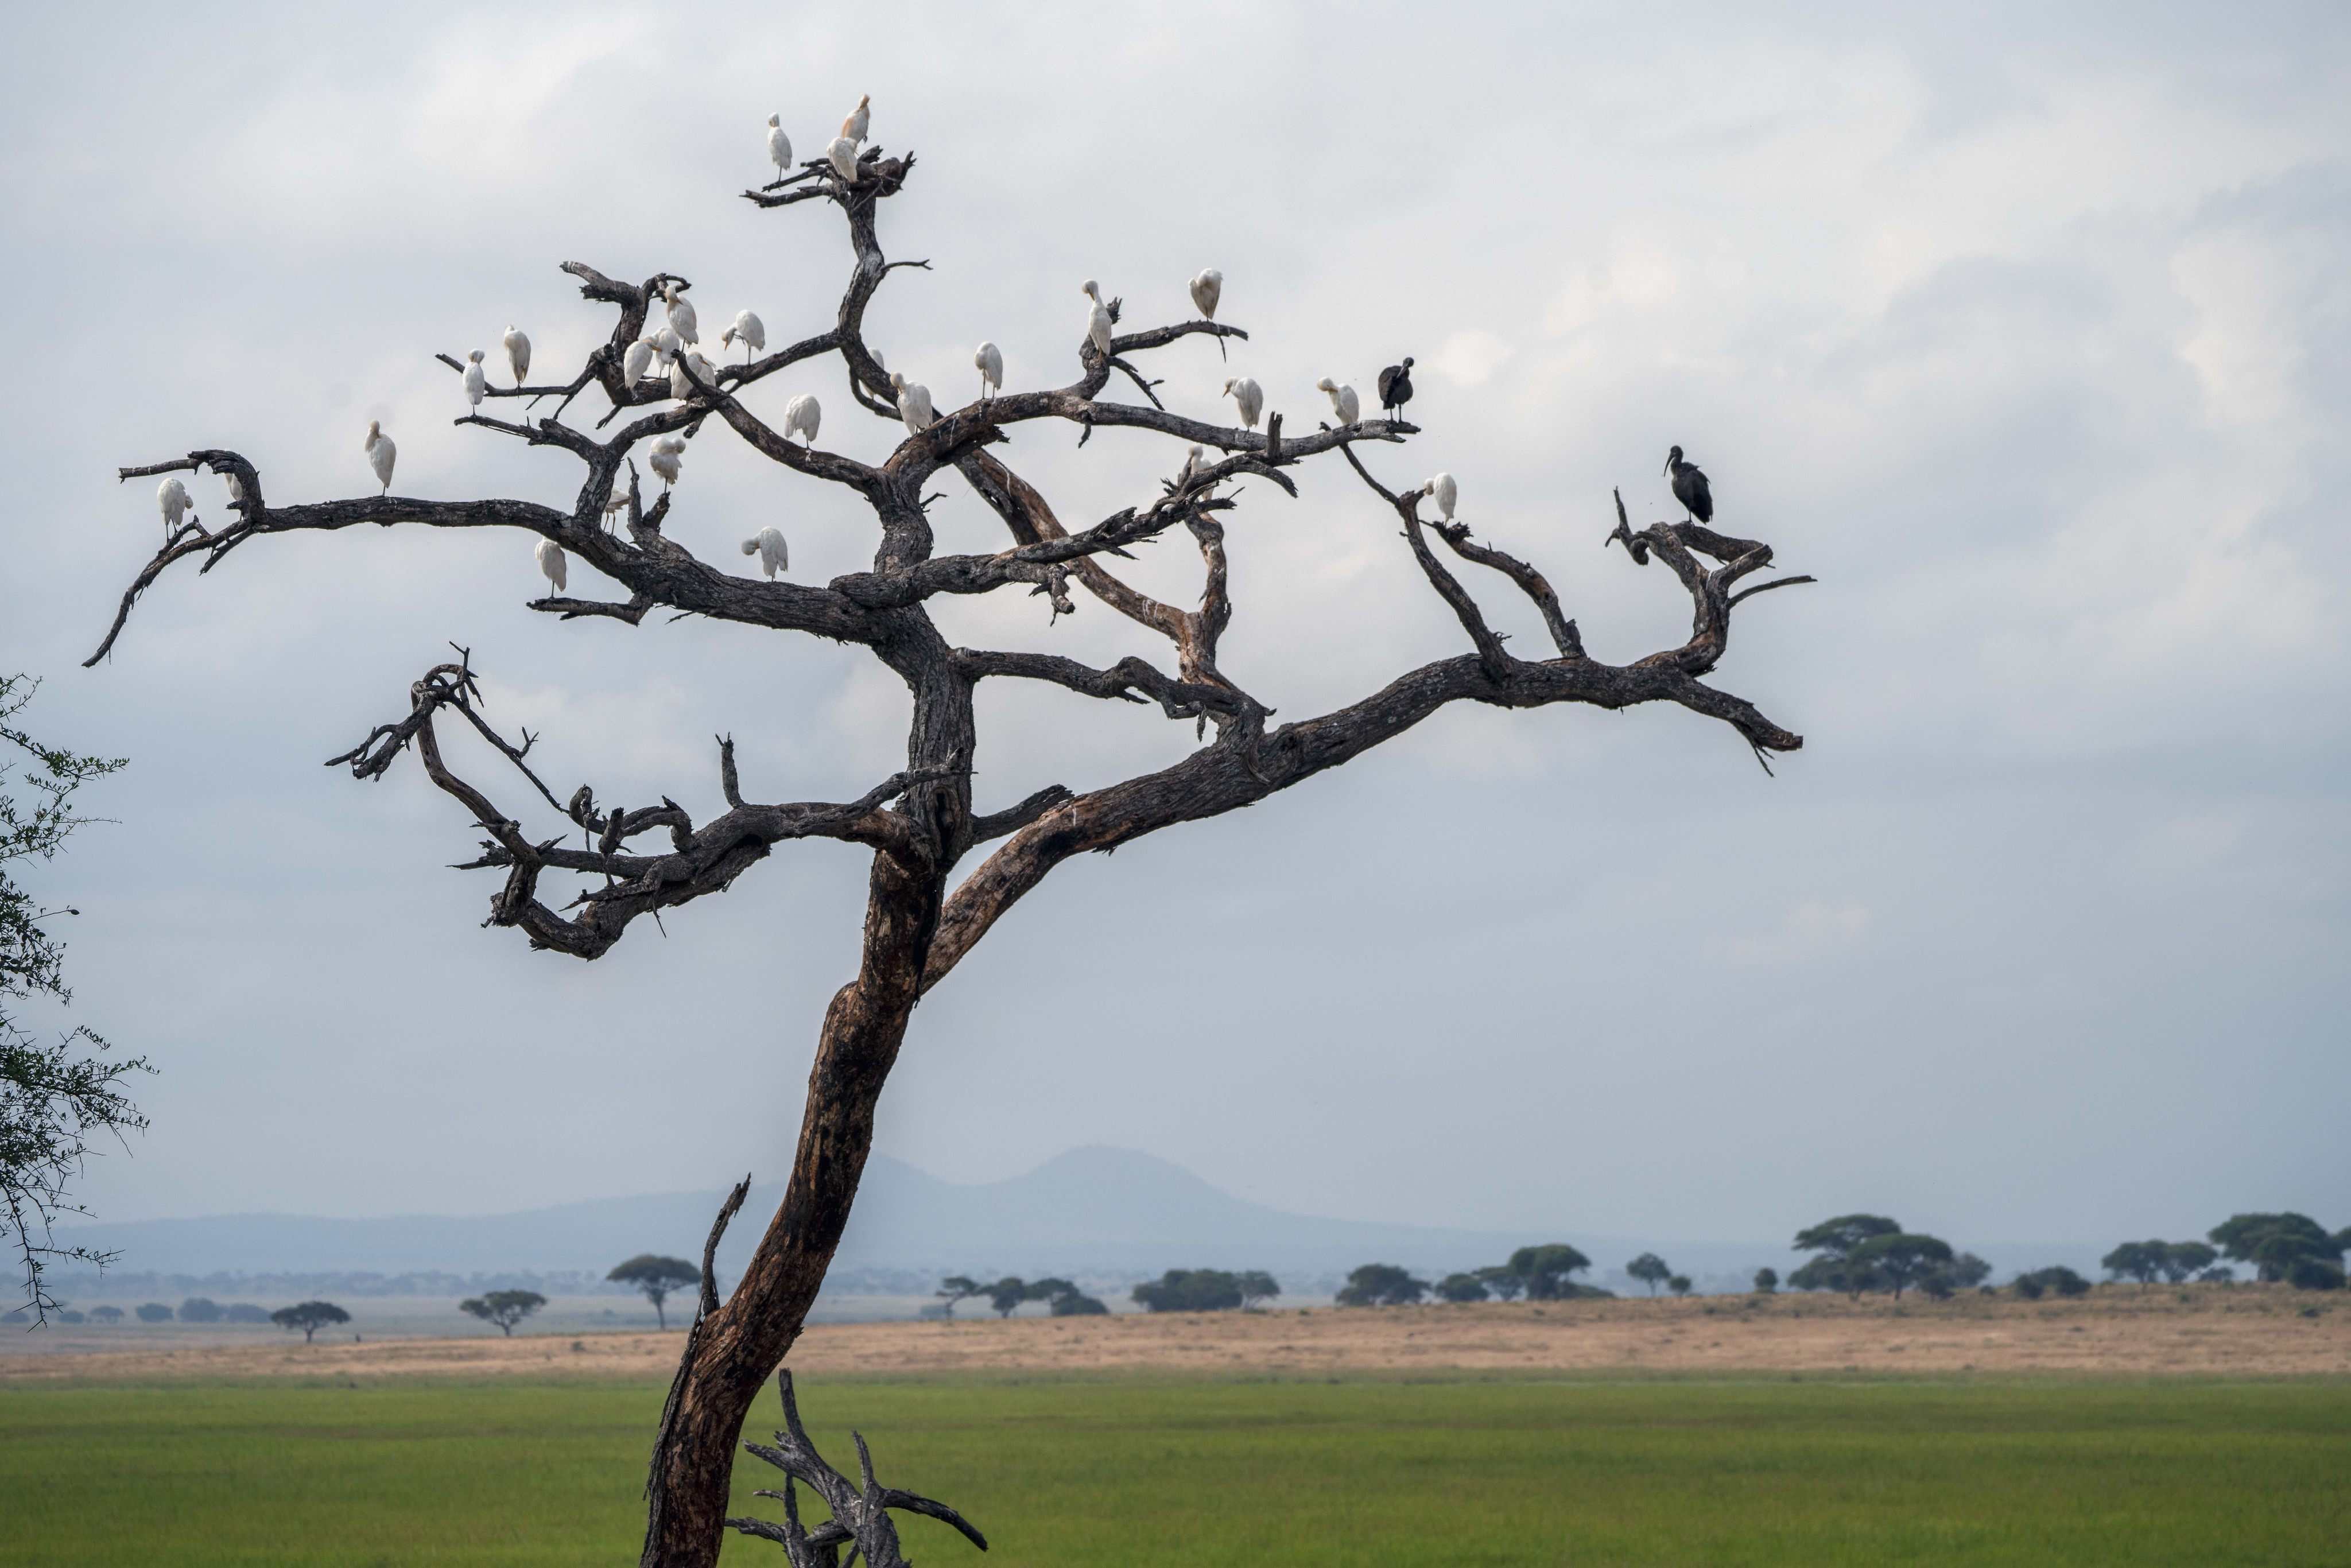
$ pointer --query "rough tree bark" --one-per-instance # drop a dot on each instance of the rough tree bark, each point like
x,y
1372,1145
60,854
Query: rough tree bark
x,y
922,822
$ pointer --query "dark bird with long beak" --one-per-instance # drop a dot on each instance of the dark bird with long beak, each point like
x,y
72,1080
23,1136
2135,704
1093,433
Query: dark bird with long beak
x,y
1396,387
1689,486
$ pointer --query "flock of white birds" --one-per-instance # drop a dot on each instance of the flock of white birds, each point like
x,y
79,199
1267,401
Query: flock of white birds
x,y
672,353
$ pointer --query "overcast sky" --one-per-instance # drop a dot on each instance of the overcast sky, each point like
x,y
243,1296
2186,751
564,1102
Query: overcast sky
x,y
2028,333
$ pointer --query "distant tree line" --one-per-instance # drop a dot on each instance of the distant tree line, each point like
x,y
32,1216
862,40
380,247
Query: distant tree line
x,y
1062,1298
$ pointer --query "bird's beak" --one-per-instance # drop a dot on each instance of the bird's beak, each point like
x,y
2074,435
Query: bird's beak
x,y
1669,467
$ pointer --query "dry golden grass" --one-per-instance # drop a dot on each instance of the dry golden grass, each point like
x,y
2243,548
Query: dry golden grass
x,y
2259,1331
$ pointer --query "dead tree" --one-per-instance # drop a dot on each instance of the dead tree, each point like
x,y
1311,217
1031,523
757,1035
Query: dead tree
x,y
922,822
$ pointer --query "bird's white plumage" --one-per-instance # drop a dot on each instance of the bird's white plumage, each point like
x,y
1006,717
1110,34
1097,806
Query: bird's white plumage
x,y
843,155
989,361
853,129
1098,319
1207,290
236,486
381,454
1248,395
681,315
704,371
801,417
780,146
667,458
774,555
173,498
1442,488
477,380
551,561
913,403
615,504
749,328
638,359
518,349
1343,401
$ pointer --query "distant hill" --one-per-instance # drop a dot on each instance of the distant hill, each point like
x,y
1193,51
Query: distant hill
x,y
1096,1212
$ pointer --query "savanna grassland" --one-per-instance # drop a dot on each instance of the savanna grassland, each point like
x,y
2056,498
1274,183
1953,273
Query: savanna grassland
x,y
1110,1471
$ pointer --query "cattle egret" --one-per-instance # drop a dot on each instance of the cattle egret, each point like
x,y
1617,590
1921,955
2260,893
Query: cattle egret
x,y
478,381
1248,395
173,497
1342,399
990,361
551,562
843,155
780,146
751,330
681,315
853,130
703,372
1690,486
1194,461
667,458
801,417
774,556
235,485
1396,387
638,359
665,347
1207,290
913,403
615,504
517,352
1098,317
381,453
1445,490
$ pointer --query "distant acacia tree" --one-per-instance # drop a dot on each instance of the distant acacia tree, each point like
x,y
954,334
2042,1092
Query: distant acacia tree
x,y
1833,1243
655,1277
1548,1271
2314,1274
927,908
1007,1295
2147,1262
1063,1299
308,1316
200,1310
1460,1288
1256,1285
2271,1242
1382,1285
1899,1261
1766,1280
55,1096
1505,1285
154,1313
2058,1278
107,1314
504,1308
1189,1290
1650,1270
958,1287
1680,1284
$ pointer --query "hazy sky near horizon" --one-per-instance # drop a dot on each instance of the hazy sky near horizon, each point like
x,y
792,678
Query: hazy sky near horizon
x,y
2026,330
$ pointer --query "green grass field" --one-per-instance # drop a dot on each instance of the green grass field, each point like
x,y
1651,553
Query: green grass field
x,y
1108,1473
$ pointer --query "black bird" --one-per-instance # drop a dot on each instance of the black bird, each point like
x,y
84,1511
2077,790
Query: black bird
x,y
1689,486
1396,387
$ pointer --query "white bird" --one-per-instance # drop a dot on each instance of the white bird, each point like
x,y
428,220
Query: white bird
x,y
780,146
478,381
681,315
551,562
1343,400
1207,290
1248,395
173,497
751,330
1194,461
1098,319
703,372
639,359
913,403
235,485
853,129
990,363
774,555
517,352
843,155
666,345
1446,491
381,454
667,458
615,504
801,417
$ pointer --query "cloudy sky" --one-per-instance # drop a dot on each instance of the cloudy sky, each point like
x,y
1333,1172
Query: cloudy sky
x,y
2029,334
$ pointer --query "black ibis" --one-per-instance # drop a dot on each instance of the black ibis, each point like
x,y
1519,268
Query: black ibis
x,y
1689,486
1396,387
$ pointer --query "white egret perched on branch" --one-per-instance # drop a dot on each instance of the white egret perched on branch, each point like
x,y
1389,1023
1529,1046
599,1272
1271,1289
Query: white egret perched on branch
x,y
780,146
381,454
665,347
615,504
1207,290
173,497
751,330
1248,395
843,155
773,553
681,315
639,360
990,363
801,417
853,130
517,352
680,387
551,562
1445,491
235,485
667,458
1098,317
1343,400
478,381
913,403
